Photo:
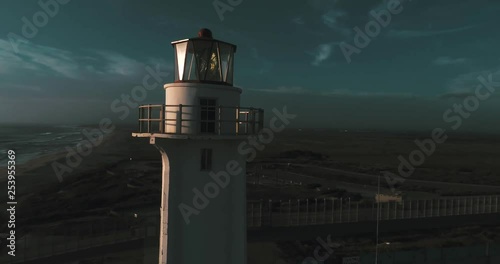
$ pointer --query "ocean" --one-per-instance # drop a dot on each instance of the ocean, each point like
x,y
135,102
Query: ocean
x,y
32,141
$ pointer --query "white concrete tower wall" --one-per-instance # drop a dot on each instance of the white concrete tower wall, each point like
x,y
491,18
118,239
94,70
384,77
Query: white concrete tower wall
x,y
190,94
215,232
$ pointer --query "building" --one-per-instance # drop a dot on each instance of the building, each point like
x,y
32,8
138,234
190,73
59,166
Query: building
x,y
197,132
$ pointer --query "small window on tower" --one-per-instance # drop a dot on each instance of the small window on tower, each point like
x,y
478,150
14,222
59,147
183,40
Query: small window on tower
x,y
206,159
207,115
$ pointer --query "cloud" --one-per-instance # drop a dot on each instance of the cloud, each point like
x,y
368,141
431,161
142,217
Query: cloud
x,y
335,92
322,53
331,19
299,20
448,61
40,60
424,33
284,90
466,83
118,64
37,58
347,92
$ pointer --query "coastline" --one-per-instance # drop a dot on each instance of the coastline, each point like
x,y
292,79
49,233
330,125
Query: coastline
x,y
38,172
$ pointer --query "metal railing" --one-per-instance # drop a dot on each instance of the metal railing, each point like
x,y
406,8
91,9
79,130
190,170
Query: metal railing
x,y
188,120
300,212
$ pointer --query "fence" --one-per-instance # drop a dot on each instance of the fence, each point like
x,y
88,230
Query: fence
x,y
295,212
64,238
477,254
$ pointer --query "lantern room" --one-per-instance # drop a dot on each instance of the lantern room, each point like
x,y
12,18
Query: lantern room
x,y
204,59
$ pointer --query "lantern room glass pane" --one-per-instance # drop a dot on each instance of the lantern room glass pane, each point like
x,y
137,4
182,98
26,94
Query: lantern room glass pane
x,y
191,66
226,54
203,52
180,58
230,72
213,70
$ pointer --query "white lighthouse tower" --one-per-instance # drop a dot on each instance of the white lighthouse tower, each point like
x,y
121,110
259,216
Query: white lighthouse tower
x,y
198,131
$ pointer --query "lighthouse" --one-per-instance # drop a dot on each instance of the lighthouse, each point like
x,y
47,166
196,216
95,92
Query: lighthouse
x,y
198,132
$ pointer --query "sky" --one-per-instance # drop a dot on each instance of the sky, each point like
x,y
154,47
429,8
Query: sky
x,y
69,61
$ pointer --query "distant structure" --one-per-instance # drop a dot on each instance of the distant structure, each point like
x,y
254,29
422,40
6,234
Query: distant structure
x,y
197,132
384,198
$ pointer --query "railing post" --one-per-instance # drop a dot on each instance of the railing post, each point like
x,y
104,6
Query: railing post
x,y
477,207
439,207
149,118
484,204
289,212
253,120
496,204
349,211
307,211
373,211
140,117
403,209
388,210
432,207
315,211
425,207
324,210
260,213
380,207
445,203
333,208
417,212
298,211
162,119
490,205
472,205
281,218
395,209
270,212
261,119
237,120
251,215
357,211
246,123
410,209
340,215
